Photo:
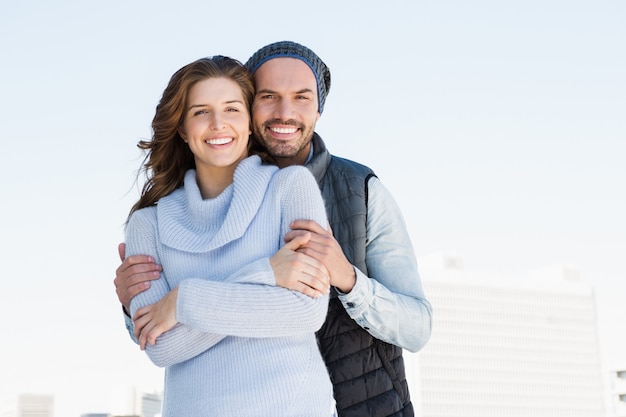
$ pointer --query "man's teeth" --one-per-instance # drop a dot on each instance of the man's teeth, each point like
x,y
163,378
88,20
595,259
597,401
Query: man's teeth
x,y
284,129
220,141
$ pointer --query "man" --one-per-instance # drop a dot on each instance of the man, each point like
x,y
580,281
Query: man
x,y
377,305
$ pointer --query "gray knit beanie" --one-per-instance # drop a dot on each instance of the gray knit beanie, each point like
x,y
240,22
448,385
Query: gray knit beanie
x,y
288,49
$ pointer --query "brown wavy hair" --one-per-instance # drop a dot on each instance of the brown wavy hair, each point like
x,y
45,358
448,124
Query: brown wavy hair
x,y
168,157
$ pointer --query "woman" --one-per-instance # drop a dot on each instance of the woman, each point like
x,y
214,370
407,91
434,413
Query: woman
x,y
236,343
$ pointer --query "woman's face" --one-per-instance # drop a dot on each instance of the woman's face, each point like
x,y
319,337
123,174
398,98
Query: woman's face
x,y
216,124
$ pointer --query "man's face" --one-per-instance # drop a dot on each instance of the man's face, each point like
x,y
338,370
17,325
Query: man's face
x,y
284,111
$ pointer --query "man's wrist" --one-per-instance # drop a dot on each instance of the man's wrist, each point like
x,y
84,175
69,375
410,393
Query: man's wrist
x,y
348,283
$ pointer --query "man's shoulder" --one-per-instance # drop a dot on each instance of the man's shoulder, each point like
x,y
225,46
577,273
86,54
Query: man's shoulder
x,y
348,166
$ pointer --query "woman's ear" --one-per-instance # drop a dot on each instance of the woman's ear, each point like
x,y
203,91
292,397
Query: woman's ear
x,y
182,134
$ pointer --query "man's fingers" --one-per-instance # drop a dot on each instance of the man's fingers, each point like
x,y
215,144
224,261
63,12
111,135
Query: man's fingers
x,y
309,225
143,272
121,250
134,265
133,261
135,289
300,227
316,238
137,273
134,280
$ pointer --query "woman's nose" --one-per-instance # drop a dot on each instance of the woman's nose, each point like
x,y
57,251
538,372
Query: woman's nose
x,y
216,122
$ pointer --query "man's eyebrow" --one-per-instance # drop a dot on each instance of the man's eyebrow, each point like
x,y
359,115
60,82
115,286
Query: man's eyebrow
x,y
270,91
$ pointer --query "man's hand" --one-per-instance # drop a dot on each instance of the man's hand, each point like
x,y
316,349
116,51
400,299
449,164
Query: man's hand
x,y
299,272
155,319
323,247
133,276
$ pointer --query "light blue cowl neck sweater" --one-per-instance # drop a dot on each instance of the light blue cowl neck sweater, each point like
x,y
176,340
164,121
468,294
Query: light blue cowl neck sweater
x,y
243,346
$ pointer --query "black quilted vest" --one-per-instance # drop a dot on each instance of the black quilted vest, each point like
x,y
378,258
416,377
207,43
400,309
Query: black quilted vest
x,y
367,374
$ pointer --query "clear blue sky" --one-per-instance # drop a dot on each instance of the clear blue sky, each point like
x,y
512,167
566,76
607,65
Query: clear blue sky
x,y
498,125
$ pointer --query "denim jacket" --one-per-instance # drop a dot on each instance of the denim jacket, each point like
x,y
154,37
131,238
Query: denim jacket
x,y
391,304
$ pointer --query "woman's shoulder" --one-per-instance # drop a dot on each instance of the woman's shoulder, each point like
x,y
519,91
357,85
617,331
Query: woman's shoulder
x,y
142,218
253,171
253,168
294,173
176,198
295,179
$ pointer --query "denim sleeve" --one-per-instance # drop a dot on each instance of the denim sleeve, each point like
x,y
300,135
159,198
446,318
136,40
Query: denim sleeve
x,y
389,303
130,326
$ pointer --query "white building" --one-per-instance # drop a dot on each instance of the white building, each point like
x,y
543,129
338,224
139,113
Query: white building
x,y
618,393
29,405
131,401
501,348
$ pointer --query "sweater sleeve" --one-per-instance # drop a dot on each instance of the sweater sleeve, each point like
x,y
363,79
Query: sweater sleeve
x,y
253,309
208,311
182,342
179,343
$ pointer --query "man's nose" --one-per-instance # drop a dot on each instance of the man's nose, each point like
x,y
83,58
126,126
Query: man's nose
x,y
284,110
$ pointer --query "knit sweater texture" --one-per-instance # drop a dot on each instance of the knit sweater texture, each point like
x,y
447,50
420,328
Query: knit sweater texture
x,y
242,345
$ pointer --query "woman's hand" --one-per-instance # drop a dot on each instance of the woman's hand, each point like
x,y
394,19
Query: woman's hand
x,y
155,319
298,271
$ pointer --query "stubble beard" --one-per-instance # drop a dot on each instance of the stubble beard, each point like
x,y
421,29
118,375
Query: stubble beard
x,y
284,149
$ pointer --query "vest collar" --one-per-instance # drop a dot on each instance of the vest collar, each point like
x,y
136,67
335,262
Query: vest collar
x,y
321,158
